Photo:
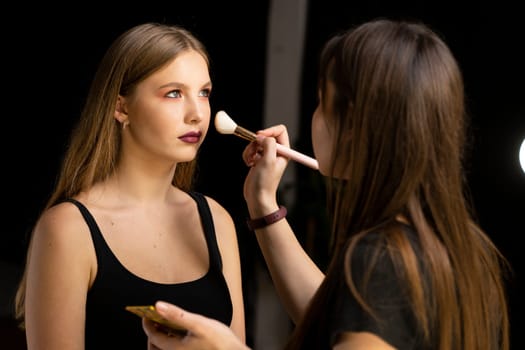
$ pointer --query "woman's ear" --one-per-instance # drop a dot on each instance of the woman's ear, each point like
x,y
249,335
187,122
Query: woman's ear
x,y
121,113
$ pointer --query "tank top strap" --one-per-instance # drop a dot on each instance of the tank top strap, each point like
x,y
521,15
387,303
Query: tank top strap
x,y
90,220
208,228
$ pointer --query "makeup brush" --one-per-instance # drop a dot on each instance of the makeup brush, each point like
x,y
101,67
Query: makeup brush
x,y
225,125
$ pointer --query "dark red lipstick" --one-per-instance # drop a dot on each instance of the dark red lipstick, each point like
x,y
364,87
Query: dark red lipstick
x,y
191,137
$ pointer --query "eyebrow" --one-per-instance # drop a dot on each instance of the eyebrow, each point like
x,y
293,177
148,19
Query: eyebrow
x,y
208,84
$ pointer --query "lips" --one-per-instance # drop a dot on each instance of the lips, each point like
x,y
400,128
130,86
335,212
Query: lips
x,y
191,137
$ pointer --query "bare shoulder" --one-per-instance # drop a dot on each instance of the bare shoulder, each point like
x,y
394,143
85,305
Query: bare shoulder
x,y
217,208
221,217
62,256
59,216
59,221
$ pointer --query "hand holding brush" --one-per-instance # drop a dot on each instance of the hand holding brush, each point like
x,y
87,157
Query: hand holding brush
x,y
225,125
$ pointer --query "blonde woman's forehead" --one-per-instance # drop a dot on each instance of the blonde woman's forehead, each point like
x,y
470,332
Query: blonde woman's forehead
x,y
186,69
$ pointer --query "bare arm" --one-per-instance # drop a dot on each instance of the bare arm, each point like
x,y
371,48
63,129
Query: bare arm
x,y
295,275
58,277
228,245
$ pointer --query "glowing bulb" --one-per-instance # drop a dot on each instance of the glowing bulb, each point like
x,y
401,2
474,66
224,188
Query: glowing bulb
x,y
522,155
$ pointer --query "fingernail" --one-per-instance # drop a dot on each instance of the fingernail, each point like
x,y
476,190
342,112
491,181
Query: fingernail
x,y
161,306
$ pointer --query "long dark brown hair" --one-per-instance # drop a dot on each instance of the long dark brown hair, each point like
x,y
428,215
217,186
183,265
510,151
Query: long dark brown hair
x,y
94,146
401,126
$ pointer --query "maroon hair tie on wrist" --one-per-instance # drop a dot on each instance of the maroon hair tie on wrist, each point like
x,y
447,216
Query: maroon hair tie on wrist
x,y
266,220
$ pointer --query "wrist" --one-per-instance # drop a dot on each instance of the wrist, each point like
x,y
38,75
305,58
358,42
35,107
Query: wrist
x,y
260,208
267,219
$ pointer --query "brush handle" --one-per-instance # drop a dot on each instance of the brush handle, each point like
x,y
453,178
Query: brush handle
x,y
297,156
282,150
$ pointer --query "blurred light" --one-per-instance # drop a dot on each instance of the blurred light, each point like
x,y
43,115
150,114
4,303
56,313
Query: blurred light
x,y
522,155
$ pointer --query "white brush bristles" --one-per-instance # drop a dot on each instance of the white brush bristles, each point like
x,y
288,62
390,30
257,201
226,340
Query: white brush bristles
x,y
224,124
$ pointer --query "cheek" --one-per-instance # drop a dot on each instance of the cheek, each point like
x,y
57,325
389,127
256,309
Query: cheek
x,y
321,142
315,132
152,123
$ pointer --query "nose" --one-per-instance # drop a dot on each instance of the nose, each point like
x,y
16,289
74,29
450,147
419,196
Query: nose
x,y
195,111
194,117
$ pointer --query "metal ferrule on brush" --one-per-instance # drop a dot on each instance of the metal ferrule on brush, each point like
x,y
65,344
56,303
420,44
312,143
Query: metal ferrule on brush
x,y
244,133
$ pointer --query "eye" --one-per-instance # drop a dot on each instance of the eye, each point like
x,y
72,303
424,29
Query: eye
x,y
174,94
205,93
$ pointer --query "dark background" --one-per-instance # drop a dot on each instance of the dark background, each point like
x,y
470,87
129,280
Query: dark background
x,y
50,55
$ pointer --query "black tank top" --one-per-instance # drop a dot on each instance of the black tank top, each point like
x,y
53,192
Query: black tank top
x,y
110,326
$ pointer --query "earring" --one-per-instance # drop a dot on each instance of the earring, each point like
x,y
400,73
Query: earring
x,y
124,124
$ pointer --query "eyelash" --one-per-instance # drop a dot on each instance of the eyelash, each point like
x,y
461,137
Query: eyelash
x,y
206,93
